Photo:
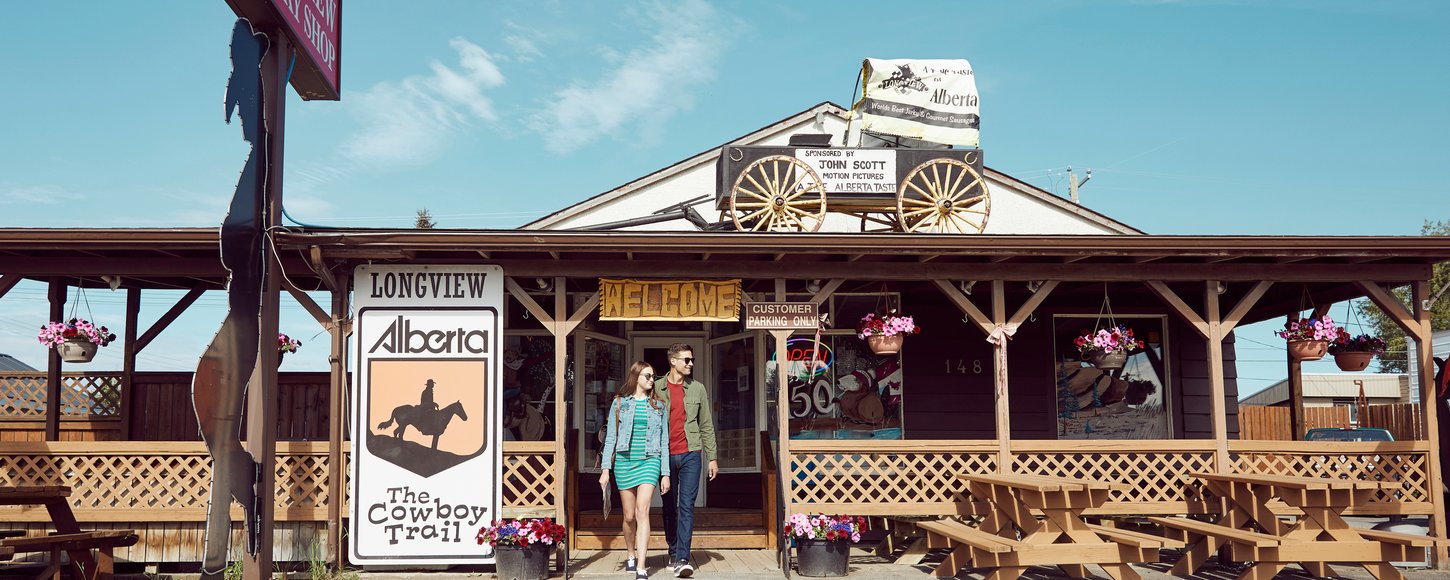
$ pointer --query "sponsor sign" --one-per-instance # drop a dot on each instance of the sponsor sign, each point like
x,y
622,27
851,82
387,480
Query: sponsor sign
x,y
315,29
426,444
853,170
782,316
630,299
931,100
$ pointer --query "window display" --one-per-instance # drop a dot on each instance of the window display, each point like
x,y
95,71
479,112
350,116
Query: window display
x,y
1122,396
603,367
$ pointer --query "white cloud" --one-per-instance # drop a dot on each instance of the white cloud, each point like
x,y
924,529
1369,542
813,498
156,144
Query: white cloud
x,y
410,121
645,87
36,194
524,43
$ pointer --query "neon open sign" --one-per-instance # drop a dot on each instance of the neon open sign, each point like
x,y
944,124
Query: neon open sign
x,y
800,351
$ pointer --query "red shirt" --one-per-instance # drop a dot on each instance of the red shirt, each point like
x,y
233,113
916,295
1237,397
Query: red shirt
x,y
678,444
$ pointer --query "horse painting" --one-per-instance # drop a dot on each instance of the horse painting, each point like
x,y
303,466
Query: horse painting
x,y
425,420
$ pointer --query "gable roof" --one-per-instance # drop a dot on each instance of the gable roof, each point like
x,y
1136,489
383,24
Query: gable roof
x,y
709,156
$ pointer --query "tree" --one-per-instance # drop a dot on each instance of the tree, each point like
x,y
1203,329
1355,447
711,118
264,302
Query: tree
x,y
1395,359
425,220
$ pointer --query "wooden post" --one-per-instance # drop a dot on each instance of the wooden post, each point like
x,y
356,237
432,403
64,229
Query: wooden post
x,y
782,423
336,416
1296,398
1215,376
561,328
1419,293
1004,415
128,360
53,365
262,392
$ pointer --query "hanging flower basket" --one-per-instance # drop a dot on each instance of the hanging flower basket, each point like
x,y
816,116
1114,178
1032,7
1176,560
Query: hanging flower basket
x,y
1353,353
884,345
1353,361
1308,349
77,350
886,332
286,344
1109,360
76,340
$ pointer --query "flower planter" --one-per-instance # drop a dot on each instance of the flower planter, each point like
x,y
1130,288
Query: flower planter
x,y
522,562
1308,349
1353,361
821,558
1110,360
885,344
76,350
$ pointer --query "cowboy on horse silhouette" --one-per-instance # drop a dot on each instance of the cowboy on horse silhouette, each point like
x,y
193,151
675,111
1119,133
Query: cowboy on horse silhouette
x,y
426,417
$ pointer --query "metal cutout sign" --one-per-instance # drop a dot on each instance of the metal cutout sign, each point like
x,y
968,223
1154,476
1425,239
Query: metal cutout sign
x,y
426,446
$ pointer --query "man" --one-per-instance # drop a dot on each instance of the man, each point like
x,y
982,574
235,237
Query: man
x,y
692,442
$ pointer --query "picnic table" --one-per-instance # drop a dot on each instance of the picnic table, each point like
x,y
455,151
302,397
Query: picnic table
x,y
1010,538
1252,531
68,536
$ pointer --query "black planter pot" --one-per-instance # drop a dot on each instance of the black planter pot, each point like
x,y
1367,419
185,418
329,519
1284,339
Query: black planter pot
x,y
522,563
822,557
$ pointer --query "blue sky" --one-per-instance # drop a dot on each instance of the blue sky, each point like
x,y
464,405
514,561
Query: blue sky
x,y
1214,117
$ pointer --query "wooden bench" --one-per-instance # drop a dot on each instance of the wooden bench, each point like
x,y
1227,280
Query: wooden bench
x,y
957,532
1222,533
1136,539
103,541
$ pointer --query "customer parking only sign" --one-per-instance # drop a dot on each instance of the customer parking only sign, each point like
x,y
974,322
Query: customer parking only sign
x,y
426,450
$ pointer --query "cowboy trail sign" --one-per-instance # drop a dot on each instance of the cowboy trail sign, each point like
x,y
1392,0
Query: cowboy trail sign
x,y
426,445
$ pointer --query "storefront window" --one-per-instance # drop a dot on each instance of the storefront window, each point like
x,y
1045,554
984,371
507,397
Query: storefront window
x,y
839,389
604,368
736,431
1099,403
528,381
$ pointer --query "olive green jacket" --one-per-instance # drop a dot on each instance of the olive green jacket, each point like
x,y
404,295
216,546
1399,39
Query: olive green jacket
x,y
699,420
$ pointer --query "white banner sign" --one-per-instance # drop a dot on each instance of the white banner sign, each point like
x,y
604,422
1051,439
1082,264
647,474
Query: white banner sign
x,y
931,100
853,170
426,440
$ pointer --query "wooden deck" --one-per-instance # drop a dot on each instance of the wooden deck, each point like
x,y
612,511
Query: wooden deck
x,y
708,563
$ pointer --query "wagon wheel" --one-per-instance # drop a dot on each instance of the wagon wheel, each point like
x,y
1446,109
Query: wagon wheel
x,y
778,193
943,196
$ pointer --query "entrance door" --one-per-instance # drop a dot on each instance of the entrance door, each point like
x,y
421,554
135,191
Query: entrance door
x,y
655,351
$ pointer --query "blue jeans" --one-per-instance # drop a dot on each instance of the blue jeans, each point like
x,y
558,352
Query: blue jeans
x,y
680,507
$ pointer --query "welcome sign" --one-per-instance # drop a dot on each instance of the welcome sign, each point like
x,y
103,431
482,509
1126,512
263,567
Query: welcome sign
x,y
426,444
630,299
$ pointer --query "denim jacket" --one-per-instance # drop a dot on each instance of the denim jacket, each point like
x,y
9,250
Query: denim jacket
x,y
617,435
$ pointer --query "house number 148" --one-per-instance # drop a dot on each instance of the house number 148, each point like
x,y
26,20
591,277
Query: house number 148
x,y
960,367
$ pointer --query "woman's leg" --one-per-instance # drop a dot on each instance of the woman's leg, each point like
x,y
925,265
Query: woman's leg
x,y
626,505
642,496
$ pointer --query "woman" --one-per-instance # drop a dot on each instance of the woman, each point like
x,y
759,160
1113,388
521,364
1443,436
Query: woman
x,y
636,449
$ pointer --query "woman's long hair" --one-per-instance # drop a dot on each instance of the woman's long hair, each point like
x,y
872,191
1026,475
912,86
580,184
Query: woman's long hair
x,y
626,390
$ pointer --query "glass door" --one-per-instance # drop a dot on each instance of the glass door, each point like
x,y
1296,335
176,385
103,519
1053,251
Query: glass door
x,y
602,367
655,351
733,381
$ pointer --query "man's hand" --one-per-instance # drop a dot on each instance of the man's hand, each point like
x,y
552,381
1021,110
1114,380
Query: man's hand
x,y
664,485
713,469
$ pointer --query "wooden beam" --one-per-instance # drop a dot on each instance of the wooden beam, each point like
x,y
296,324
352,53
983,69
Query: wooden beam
x,y
315,254
826,291
528,301
8,281
483,254
965,305
1245,304
579,315
128,360
1419,294
168,318
1216,377
309,305
56,294
1032,303
1392,307
337,397
1296,392
1000,391
1167,295
561,363
942,269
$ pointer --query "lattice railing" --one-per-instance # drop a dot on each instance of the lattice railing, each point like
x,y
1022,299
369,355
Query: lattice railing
x,y
148,481
22,395
1156,471
884,477
1405,461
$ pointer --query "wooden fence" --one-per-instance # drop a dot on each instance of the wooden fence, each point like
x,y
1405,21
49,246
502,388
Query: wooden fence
x,y
1403,420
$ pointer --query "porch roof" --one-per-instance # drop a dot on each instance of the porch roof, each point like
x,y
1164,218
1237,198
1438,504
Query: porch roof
x,y
187,257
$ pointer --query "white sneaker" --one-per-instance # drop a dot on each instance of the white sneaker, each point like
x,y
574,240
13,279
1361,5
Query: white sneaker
x,y
629,565
684,570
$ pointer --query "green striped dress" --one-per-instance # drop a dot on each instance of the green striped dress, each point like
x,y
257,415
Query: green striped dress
x,y
632,467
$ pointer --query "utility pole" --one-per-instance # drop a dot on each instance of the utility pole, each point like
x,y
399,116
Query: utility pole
x,y
1073,183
